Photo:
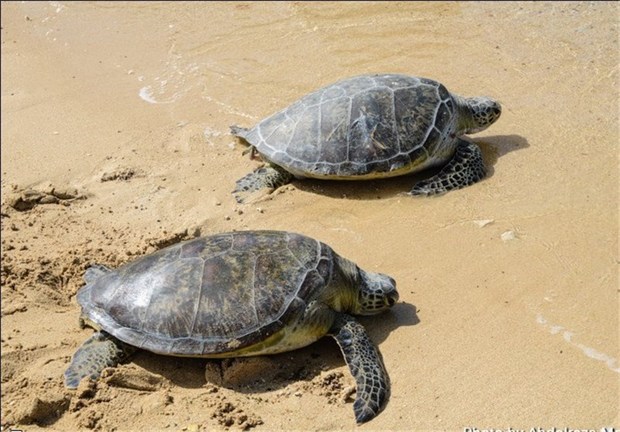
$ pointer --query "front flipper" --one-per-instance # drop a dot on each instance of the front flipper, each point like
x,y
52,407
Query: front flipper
x,y
101,350
268,177
465,168
366,365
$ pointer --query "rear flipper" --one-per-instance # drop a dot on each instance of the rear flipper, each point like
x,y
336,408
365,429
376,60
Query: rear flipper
x,y
366,365
269,177
101,350
465,168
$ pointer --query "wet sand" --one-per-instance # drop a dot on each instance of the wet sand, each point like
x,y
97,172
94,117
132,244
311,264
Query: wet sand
x,y
116,115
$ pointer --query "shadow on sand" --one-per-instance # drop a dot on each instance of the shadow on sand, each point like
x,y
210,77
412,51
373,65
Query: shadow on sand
x,y
493,147
268,373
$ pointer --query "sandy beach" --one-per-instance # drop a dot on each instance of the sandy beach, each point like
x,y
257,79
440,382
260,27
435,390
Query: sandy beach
x,y
116,143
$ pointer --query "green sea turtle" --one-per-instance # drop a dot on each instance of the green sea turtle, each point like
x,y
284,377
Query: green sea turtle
x,y
236,294
369,127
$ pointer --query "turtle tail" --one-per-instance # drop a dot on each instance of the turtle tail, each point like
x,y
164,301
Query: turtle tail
x,y
239,131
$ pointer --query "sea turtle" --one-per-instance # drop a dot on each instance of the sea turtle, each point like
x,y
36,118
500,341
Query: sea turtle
x,y
369,127
236,294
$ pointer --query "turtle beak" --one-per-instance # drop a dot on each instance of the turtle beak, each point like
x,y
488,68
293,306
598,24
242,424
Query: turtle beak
x,y
391,293
392,298
391,301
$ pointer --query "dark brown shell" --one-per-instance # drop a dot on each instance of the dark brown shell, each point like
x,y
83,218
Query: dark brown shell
x,y
210,295
366,126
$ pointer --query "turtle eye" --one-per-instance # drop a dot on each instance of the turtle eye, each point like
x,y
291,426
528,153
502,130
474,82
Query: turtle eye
x,y
391,301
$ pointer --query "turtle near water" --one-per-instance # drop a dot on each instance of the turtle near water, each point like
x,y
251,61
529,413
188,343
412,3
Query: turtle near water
x,y
370,127
236,294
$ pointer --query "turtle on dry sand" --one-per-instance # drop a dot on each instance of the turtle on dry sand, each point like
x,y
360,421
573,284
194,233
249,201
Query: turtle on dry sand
x,y
236,294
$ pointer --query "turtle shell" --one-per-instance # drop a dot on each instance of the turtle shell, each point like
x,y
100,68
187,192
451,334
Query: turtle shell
x,y
363,127
210,295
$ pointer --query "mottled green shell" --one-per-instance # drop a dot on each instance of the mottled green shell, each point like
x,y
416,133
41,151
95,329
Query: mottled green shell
x,y
210,295
363,127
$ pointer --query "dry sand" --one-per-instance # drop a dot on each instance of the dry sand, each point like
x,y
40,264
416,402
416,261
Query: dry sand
x,y
115,143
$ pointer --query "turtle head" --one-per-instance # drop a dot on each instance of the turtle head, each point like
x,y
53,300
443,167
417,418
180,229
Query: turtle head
x,y
480,113
377,293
